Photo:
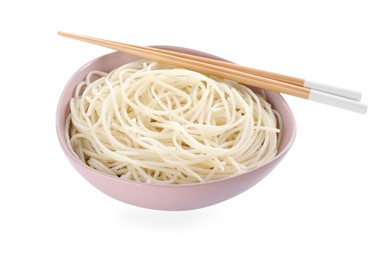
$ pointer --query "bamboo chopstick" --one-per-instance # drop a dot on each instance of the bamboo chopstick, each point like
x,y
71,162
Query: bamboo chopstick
x,y
245,75
342,92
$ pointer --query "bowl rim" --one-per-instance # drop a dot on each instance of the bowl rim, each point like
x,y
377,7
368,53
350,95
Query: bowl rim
x,y
70,156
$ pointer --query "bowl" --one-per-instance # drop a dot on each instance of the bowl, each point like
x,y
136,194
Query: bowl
x,y
168,196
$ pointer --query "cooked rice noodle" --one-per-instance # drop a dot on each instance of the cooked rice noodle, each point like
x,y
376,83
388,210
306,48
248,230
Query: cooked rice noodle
x,y
154,123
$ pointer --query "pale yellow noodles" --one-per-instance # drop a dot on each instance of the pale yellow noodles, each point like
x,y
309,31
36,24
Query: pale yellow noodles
x,y
150,122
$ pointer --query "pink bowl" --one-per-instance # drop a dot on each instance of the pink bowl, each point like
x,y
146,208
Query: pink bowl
x,y
168,196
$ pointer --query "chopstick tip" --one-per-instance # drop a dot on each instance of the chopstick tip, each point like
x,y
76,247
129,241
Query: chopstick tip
x,y
337,101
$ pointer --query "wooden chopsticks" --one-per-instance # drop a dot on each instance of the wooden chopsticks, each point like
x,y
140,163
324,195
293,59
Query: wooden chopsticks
x,y
311,90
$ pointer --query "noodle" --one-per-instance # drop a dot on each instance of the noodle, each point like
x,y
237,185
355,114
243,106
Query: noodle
x,y
150,122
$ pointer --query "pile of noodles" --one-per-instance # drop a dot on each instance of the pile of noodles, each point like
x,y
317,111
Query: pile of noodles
x,y
154,123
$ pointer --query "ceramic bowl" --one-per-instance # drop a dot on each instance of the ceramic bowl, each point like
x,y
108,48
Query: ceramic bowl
x,y
168,196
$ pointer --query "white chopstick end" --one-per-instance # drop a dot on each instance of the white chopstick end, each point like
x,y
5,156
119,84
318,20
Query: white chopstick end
x,y
337,101
342,92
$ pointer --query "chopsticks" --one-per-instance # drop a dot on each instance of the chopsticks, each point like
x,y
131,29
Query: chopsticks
x,y
301,88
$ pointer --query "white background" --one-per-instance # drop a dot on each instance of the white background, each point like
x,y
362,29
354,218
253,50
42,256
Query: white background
x,y
329,198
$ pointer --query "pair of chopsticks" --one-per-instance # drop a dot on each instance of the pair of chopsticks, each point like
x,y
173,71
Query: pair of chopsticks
x,y
306,89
